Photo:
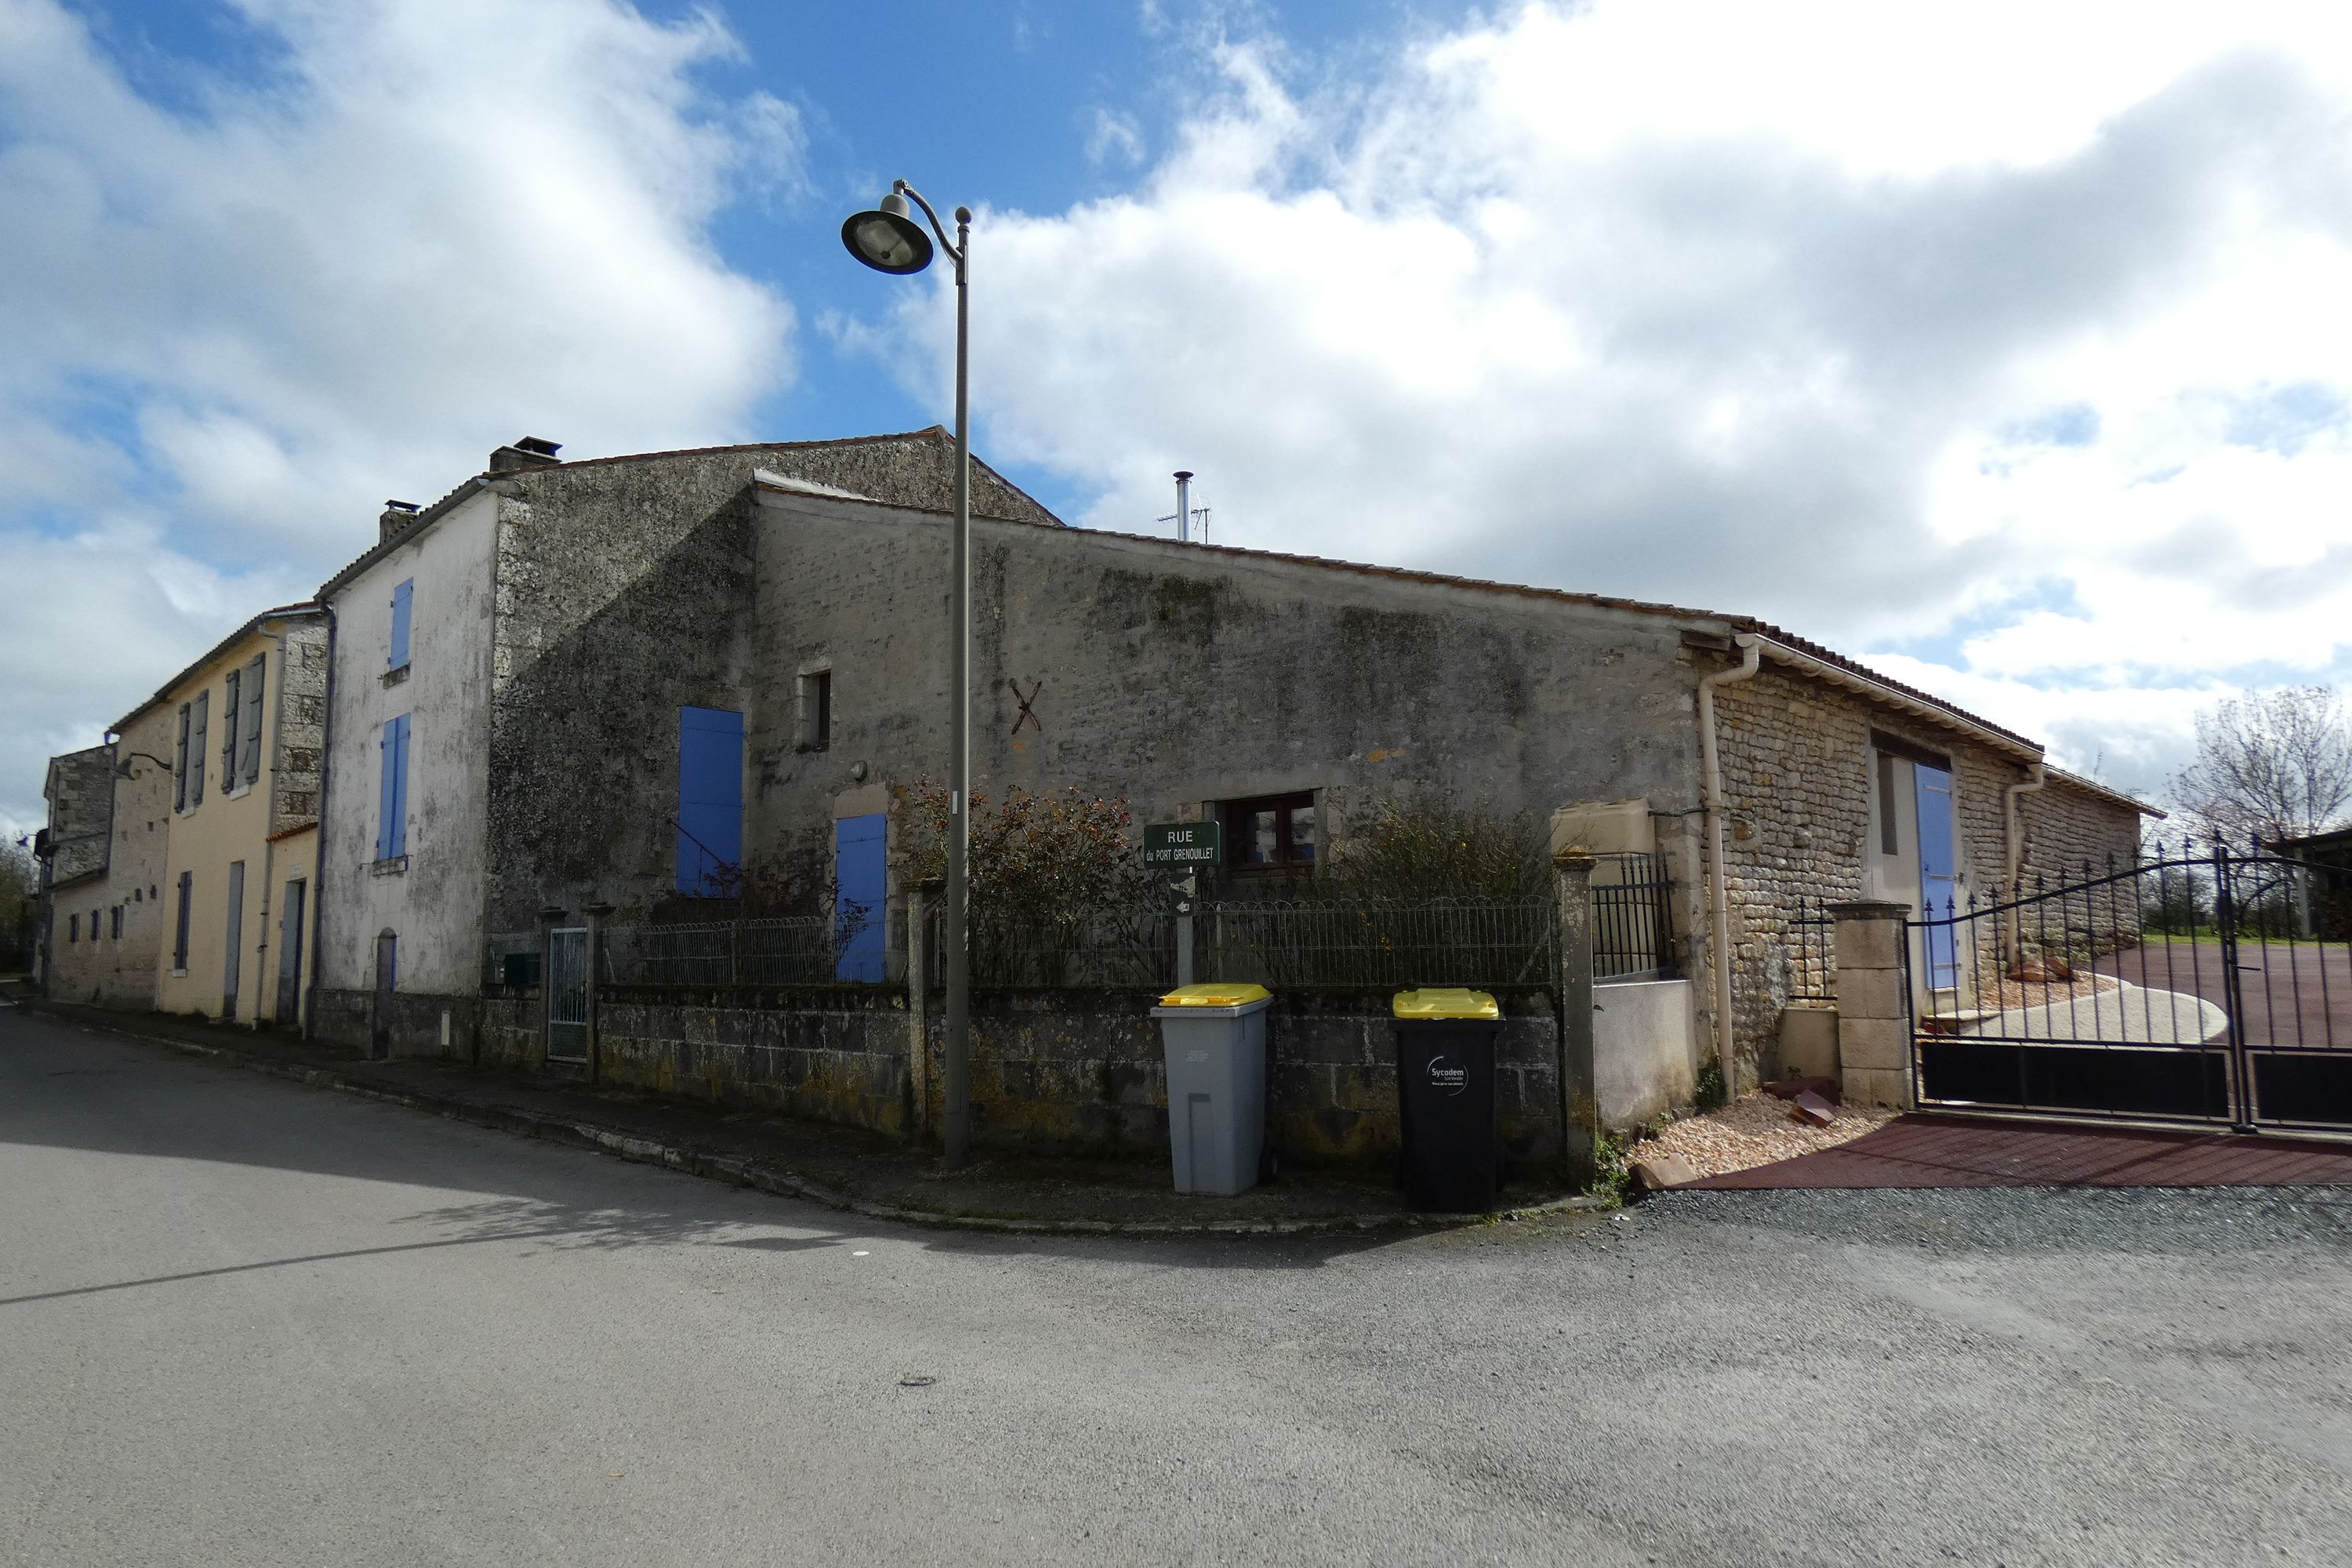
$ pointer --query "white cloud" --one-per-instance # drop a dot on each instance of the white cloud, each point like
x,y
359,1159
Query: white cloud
x,y
231,333
2011,335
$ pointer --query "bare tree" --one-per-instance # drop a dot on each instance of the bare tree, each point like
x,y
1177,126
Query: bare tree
x,y
2269,766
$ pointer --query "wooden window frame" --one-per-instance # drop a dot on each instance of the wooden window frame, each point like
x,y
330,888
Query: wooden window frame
x,y
1235,815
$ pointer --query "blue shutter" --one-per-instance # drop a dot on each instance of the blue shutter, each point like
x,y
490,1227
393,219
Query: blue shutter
x,y
710,800
861,881
385,794
400,602
400,787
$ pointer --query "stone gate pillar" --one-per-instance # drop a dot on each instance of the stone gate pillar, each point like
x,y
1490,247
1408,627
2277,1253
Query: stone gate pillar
x,y
1580,1090
1874,1017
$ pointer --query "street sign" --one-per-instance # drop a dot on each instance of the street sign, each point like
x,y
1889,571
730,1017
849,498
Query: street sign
x,y
1183,843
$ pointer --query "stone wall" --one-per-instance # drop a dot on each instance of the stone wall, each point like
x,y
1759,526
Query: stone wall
x,y
302,727
80,793
2070,831
1061,1072
1797,758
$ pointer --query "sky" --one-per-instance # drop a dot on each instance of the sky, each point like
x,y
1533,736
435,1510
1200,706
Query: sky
x,y
2002,346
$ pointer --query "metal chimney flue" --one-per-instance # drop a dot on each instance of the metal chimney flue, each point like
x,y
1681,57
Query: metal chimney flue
x,y
1183,506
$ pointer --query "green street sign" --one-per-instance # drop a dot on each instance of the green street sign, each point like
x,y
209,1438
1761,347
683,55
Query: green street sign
x,y
1184,844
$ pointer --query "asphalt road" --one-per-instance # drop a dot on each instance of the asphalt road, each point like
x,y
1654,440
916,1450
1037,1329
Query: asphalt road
x,y
243,1322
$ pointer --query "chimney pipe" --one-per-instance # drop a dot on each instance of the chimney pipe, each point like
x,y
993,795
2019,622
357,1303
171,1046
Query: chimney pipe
x,y
1183,506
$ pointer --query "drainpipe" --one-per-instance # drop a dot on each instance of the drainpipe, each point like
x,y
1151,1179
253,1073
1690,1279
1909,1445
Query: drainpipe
x,y
2036,776
1718,889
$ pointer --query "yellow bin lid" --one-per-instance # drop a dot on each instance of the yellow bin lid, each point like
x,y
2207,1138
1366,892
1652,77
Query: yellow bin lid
x,y
1444,1002
1213,996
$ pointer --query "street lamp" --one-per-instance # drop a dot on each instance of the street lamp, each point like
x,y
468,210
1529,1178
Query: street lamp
x,y
888,240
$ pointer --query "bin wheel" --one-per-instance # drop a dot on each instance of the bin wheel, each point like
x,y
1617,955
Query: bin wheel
x,y
1269,1163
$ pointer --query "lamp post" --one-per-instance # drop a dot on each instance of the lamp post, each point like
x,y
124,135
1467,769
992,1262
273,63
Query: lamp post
x,y
888,240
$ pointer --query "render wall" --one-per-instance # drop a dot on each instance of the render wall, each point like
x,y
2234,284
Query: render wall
x,y
608,626
432,902
1175,675
235,822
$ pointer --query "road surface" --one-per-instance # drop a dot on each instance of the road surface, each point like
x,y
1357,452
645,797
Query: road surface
x,y
243,1322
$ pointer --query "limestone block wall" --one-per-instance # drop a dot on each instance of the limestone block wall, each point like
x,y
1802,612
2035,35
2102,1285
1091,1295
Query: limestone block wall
x,y
1797,760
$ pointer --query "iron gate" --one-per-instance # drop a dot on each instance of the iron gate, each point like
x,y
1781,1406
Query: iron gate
x,y
2209,987
567,993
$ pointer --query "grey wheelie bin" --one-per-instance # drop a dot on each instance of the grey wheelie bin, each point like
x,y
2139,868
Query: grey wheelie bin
x,y
1215,1040
1451,1160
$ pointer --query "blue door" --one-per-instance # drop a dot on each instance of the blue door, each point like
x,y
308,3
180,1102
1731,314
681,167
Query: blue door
x,y
1939,873
710,802
861,888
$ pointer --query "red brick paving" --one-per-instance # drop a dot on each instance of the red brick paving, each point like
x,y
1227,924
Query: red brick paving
x,y
1929,1150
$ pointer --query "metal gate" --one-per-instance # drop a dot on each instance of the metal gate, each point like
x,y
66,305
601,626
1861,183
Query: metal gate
x,y
2202,987
567,993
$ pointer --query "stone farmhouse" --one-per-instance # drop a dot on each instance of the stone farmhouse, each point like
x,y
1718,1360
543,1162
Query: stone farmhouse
x,y
604,687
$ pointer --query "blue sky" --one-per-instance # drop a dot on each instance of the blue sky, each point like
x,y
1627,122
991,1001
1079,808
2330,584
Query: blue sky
x,y
2003,347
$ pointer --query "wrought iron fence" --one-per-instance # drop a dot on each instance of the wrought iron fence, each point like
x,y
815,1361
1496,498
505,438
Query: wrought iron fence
x,y
1437,942
1119,947
1812,961
1633,918
797,950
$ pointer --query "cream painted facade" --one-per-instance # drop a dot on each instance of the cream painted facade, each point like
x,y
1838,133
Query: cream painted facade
x,y
240,873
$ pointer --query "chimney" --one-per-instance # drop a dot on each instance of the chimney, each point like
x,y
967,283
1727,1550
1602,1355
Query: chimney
x,y
397,515
529,452
1183,504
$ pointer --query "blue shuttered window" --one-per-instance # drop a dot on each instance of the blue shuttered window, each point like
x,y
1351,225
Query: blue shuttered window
x,y
401,597
709,802
392,790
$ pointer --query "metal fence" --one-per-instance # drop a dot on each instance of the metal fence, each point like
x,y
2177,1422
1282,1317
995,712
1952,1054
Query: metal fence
x,y
1120,947
1633,918
799,951
1437,942
1812,963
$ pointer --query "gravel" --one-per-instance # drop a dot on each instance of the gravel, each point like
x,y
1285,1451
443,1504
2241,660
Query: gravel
x,y
1757,1131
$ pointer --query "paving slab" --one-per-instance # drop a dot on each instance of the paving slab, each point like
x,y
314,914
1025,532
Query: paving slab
x,y
1942,1151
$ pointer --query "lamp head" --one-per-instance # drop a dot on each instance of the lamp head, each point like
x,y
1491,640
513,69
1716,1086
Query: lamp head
x,y
887,239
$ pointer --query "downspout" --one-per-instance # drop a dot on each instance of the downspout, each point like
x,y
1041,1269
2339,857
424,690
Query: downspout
x,y
2035,778
318,952
1719,888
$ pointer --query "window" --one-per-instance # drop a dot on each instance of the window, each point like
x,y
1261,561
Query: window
x,y
180,765
73,930
817,710
391,795
710,800
93,925
180,936
1274,834
229,710
402,598
250,769
114,926
199,732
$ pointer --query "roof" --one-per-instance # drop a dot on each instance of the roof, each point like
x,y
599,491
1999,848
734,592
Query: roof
x,y
306,610
2089,787
1735,623
2318,843
427,516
